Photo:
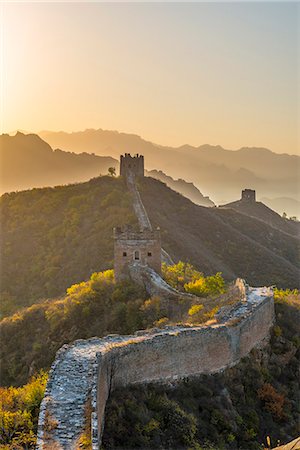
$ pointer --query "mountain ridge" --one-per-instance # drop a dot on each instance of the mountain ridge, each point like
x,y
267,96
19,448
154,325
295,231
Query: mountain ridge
x,y
212,169
67,235
29,162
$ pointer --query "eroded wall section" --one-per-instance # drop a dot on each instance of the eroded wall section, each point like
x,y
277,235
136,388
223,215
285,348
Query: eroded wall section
x,y
87,371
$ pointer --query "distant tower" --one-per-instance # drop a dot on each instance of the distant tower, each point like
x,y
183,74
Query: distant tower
x,y
136,247
248,195
132,164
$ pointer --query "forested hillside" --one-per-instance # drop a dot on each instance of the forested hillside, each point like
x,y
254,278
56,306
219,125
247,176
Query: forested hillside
x,y
217,239
54,237
99,307
236,409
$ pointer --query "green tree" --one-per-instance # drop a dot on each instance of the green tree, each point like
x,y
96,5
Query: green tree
x,y
112,171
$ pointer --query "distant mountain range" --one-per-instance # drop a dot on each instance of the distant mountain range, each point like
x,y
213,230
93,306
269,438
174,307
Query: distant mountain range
x,y
27,162
290,206
217,172
183,187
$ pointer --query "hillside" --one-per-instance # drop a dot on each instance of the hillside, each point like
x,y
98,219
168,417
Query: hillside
x,y
265,214
189,190
214,170
282,205
27,161
232,410
98,307
221,238
54,237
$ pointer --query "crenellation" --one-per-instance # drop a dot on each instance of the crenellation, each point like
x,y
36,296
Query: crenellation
x,y
133,165
249,195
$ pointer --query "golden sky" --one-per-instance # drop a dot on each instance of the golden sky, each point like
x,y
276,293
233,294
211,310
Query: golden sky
x,y
217,73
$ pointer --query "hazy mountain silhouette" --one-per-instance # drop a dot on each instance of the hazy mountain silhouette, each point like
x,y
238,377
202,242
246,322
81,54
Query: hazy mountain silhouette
x,y
27,161
187,189
214,170
265,214
283,204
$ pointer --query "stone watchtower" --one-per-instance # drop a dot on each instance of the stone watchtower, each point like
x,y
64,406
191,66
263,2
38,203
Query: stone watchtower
x,y
136,247
141,246
248,195
132,165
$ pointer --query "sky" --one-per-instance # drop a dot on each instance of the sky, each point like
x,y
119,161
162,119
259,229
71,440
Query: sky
x,y
175,73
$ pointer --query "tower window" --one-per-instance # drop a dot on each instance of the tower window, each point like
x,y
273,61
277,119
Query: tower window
x,y
136,255
149,254
124,253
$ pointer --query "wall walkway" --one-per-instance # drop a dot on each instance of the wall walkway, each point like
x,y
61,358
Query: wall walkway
x,y
87,370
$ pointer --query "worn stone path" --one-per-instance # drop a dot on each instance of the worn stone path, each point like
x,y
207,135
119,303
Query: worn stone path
x,y
139,209
81,370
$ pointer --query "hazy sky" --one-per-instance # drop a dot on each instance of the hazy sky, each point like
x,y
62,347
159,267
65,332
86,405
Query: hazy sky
x,y
217,73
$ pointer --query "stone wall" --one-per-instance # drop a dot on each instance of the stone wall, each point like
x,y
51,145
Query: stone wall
x,y
132,164
92,368
139,247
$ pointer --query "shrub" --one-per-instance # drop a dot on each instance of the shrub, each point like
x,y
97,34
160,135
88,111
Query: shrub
x,y
19,413
195,309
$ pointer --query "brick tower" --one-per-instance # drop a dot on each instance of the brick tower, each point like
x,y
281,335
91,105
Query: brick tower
x,y
248,195
132,165
136,247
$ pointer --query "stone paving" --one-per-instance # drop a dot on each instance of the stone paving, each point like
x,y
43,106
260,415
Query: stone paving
x,y
74,374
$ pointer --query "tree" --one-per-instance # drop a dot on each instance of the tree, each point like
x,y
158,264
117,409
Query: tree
x,y
112,171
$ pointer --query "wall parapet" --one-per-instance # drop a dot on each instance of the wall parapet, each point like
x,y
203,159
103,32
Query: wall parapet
x,y
92,368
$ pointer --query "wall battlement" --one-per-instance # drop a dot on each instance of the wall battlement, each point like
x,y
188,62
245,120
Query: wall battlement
x,y
88,370
133,165
248,195
141,247
128,233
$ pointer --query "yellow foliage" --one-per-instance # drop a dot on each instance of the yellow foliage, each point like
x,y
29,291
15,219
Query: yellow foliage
x,y
19,412
195,309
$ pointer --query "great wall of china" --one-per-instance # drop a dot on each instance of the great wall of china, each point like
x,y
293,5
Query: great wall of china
x,y
86,371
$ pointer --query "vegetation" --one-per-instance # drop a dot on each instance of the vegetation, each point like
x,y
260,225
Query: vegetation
x,y
64,232
236,409
220,239
19,413
96,307
184,277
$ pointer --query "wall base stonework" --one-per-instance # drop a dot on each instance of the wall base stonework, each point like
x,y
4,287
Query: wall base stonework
x,y
90,369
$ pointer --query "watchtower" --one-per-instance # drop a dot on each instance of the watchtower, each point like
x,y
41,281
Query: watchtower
x,y
132,165
136,247
248,195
